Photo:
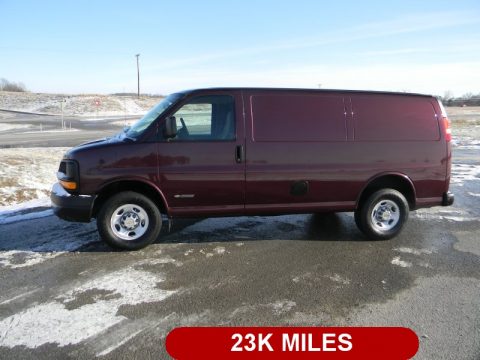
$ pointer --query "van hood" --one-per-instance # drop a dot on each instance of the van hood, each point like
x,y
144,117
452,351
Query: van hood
x,y
96,144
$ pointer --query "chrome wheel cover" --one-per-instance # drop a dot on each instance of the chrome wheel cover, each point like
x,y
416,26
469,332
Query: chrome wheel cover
x,y
385,215
129,222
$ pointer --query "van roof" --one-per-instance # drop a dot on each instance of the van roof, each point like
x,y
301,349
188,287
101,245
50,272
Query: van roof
x,y
305,90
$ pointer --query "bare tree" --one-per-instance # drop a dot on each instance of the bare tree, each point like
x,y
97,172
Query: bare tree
x,y
6,85
448,95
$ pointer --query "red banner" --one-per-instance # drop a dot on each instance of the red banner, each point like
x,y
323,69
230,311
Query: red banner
x,y
292,343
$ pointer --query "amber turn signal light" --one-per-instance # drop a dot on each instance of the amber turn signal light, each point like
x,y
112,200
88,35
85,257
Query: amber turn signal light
x,y
69,185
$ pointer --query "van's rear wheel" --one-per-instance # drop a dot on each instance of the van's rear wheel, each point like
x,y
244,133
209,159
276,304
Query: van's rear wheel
x,y
129,220
383,214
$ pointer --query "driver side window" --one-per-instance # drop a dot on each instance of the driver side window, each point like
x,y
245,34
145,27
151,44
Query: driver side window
x,y
206,118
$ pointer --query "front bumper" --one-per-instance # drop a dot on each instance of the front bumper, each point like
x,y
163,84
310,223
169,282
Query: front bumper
x,y
448,199
71,207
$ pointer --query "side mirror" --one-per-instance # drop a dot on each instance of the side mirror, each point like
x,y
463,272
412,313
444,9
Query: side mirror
x,y
170,127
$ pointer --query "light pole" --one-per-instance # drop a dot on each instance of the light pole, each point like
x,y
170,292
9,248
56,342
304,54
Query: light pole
x,y
138,76
62,102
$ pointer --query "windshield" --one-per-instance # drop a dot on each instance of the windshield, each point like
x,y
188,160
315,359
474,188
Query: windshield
x,y
139,127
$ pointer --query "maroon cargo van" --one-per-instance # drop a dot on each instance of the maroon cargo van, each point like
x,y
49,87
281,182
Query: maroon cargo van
x,y
250,151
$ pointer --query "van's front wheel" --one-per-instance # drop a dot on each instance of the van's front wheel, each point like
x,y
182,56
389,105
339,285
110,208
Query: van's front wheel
x,y
383,214
129,220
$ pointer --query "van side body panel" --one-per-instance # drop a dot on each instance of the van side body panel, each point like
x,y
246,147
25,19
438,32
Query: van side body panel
x,y
402,133
293,138
337,169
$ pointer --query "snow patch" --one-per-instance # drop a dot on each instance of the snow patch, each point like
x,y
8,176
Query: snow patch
x,y
10,209
83,105
51,131
303,277
15,259
282,306
158,261
338,279
25,252
19,296
468,144
11,126
219,250
22,217
452,214
424,264
62,323
407,250
464,172
27,173
396,261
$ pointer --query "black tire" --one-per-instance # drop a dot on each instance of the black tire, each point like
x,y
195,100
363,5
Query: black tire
x,y
358,222
383,214
136,224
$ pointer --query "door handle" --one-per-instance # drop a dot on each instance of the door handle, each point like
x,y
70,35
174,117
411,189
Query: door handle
x,y
239,153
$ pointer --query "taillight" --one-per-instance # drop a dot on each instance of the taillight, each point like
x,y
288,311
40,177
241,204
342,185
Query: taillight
x,y
448,129
446,122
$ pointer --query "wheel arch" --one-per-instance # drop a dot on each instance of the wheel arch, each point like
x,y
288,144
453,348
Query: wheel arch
x,y
396,181
138,185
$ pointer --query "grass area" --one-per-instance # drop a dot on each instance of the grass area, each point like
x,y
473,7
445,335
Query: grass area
x,y
27,173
